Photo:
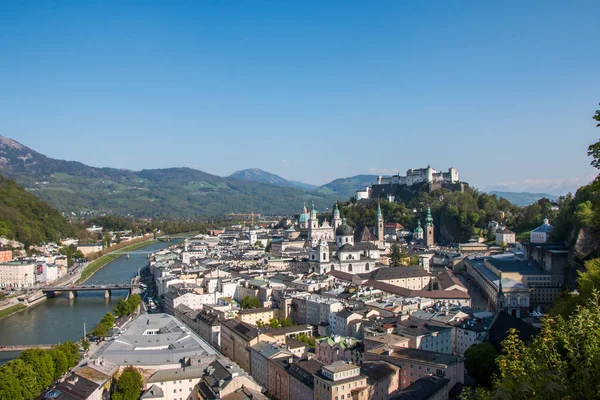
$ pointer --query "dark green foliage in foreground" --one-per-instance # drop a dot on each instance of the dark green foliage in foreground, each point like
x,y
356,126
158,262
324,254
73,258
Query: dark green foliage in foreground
x,y
562,362
129,385
26,218
35,369
481,362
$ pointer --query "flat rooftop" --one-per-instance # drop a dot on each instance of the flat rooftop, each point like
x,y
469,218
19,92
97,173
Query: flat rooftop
x,y
155,339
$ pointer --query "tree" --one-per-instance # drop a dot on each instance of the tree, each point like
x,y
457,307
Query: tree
x,y
127,307
61,364
129,385
259,243
106,240
563,361
274,322
285,322
71,351
594,149
396,256
42,364
250,302
481,362
121,308
85,344
268,246
309,340
17,381
106,324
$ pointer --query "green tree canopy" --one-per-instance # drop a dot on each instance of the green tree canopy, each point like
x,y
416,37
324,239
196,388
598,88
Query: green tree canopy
x,y
43,366
396,256
17,381
129,385
481,362
250,302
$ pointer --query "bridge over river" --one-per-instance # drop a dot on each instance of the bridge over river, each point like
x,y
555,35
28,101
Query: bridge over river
x,y
73,290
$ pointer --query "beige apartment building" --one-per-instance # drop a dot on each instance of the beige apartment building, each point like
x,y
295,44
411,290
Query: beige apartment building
x,y
17,274
253,315
338,381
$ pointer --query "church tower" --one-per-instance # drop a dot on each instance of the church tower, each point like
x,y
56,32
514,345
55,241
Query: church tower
x,y
501,301
323,251
313,224
429,240
336,221
379,228
314,221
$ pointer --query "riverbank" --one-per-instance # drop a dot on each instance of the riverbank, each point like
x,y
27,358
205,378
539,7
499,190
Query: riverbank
x,y
7,312
101,262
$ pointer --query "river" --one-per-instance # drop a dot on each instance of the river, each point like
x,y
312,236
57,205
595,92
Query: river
x,y
60,319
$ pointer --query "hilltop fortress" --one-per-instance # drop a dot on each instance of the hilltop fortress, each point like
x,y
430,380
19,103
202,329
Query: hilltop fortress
x,y
386,187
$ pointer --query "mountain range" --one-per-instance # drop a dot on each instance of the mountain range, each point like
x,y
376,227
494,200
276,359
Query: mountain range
x,y
522,199
258,175
73,187
341,187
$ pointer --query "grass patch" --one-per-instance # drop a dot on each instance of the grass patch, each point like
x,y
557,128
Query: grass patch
x,y
11,310
96,265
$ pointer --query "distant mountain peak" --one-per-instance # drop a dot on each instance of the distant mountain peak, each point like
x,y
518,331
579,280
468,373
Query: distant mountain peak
x,y
262,176
4,141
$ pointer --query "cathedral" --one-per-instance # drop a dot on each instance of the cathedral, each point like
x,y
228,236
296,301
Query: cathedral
x,y
335,246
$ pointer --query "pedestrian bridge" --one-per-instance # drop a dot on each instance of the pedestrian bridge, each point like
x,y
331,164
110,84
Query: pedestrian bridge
x,y
72,291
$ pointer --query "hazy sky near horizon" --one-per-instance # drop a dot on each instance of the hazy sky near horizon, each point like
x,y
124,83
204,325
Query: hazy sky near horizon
x,y
309,90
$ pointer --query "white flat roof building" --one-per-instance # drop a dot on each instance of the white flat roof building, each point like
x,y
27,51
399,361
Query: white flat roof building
x,y
155,341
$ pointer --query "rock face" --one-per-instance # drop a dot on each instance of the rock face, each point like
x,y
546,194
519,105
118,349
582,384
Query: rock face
x,y
586,244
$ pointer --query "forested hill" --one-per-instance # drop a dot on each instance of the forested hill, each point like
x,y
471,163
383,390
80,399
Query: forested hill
x,y
26,218
457,215
154,193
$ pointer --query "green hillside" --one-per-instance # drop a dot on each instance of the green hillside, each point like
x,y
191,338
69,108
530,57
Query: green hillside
x,y
157,193
26,218
347,187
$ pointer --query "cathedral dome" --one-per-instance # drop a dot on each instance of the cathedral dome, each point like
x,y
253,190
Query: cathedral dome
x,y
344,230
304,217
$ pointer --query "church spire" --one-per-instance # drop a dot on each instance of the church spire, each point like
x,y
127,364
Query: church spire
x,y
336,211
428,218
378,210
501,299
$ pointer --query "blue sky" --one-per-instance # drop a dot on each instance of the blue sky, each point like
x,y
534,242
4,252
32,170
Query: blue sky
x,y
312,91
